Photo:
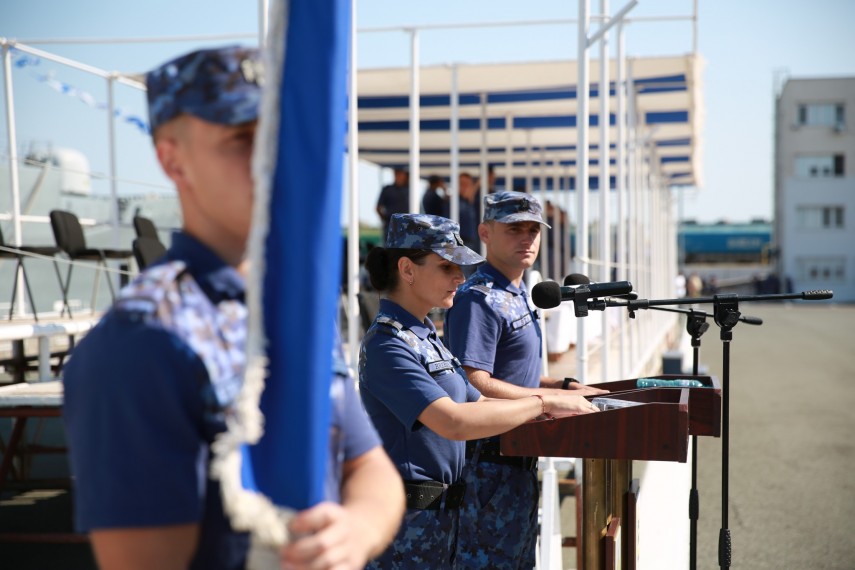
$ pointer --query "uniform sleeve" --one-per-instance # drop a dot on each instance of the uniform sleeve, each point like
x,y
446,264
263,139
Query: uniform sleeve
x,y
472,331
394,376
359,434
132,413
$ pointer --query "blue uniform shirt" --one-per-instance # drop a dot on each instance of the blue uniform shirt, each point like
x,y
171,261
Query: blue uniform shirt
x,y
351,432
396,387
491,327
141,410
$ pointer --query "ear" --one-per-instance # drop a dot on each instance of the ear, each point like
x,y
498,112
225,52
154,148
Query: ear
x,y
405,269
169,156
484,232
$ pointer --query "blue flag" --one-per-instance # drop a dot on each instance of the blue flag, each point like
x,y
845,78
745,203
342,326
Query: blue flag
x,y
273,463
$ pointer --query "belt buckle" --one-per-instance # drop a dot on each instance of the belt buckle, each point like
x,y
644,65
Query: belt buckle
x,y
454,495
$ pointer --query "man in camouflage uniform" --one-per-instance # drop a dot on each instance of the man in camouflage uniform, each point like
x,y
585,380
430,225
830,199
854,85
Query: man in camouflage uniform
x,y
494,332
152,385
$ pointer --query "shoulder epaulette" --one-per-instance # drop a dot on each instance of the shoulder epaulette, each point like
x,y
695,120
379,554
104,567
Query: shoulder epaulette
x,y
147,291
383,320
485,288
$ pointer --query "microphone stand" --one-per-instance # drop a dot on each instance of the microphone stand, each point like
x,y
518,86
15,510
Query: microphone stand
x,y
696,326
726,315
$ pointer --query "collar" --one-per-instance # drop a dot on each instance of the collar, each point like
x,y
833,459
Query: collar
x,y
219,281
411,323
500,280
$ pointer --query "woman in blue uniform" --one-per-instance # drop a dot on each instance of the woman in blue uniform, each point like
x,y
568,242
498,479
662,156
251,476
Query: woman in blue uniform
x,y
416,393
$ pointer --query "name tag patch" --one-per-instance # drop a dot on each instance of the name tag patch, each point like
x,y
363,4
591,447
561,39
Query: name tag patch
x,y
521,322
439,366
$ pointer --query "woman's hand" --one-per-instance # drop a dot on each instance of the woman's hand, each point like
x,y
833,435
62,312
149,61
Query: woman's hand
x,y
570,405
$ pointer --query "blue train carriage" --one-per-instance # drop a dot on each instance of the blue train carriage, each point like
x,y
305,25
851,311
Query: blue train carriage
x,y
726,242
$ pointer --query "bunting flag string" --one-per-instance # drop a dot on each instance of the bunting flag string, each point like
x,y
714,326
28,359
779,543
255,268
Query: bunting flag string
x,y
21,60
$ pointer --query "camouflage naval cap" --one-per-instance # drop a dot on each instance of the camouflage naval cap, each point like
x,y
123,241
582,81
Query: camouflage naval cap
x,y
220,85
508,207
432,233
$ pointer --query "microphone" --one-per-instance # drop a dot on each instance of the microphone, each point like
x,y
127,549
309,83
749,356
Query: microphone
x,y
576,279
581,279
549,294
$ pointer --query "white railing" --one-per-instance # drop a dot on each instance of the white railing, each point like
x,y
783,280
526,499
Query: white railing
x,y
44,332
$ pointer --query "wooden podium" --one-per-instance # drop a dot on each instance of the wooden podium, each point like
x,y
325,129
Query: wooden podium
x,y
656,429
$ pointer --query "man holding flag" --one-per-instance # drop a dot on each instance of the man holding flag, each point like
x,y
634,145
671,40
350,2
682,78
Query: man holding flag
x,y
153,385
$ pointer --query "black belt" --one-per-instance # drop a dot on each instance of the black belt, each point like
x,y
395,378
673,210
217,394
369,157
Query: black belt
x,y
488,451
432,495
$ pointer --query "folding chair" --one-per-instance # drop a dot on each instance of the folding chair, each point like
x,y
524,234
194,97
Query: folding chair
x,y
147,250
145,228
70,239
19,254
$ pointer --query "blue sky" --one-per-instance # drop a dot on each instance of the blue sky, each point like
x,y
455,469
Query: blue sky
x,y
744,44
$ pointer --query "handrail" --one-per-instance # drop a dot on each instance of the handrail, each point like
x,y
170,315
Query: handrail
x,y
43,332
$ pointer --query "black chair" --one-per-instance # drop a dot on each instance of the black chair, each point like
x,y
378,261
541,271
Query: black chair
x,y
70,239
19,253
145,228
369,306
147,250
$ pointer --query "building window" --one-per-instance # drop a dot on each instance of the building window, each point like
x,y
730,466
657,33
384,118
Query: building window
x,y
820,166
821,114
824,270
820,217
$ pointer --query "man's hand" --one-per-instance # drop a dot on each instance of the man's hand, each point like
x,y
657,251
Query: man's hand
x,y
347,536
556,386
329,539
579,389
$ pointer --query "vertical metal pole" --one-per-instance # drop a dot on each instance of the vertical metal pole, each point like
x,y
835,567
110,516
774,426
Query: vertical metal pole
x,y
605,184
545,266
567,235
509,152
557,226
415,150
44,359
582,179
550,528
263,18
114,191
632,204
111,130
620,88
455,147
694,27
14,181
353,319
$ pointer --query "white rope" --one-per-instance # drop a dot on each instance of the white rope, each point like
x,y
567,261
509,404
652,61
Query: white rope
x,y
248,510
85,264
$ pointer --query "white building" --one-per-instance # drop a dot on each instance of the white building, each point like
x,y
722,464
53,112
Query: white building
x,y
815,185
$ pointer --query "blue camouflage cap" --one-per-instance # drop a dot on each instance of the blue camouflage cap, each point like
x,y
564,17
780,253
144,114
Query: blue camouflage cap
x,y
508,207
432,233
220,85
